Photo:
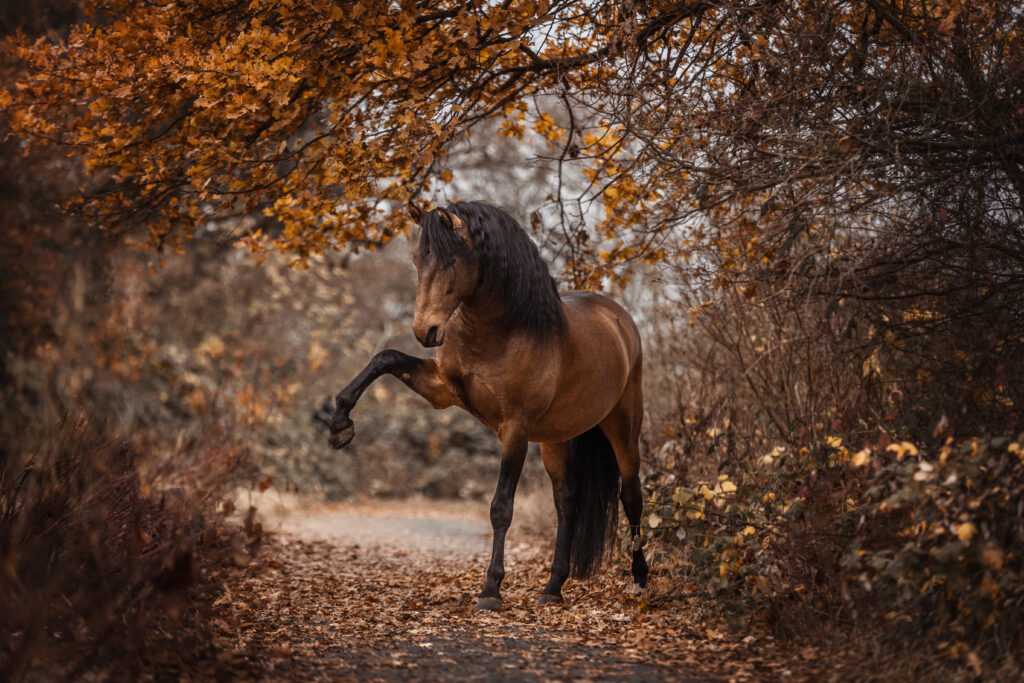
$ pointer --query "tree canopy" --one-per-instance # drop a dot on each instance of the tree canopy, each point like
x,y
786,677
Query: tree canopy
x,y
730,124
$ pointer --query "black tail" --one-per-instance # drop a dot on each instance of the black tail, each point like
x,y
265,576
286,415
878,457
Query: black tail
x,y
593,478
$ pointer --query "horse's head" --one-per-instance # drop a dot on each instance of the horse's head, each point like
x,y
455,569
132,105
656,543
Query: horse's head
x,y
448,271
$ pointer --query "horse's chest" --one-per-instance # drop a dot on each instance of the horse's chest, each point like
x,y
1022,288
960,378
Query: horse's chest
x,y
479,394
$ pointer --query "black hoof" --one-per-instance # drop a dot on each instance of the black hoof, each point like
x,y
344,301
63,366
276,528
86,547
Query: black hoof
x,y
341,439
340,421
489,603
549,599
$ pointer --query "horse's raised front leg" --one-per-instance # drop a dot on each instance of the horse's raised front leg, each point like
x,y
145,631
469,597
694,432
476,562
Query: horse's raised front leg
x,y
513,454
422,375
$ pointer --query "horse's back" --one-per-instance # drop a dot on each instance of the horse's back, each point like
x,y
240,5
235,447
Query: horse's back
x,y
593,314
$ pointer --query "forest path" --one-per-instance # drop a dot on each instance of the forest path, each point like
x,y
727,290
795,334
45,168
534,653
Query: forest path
x,y
385,591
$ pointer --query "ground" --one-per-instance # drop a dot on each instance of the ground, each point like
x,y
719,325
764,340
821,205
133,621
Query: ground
x,y
385,591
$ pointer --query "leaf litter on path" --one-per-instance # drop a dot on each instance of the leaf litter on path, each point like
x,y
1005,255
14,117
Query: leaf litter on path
x,y
347,592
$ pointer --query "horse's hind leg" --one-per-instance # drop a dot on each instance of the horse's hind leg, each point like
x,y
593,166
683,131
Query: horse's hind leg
x,y
556,459
622,427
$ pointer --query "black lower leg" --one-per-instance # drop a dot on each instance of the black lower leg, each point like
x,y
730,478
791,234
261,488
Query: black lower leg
x,y
632,505
563,541
501,519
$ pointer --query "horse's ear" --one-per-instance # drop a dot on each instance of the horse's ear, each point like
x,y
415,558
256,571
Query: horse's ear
x,y
415,211
457,225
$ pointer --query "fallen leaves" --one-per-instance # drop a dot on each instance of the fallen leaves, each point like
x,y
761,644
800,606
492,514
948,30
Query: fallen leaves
x,y
321,609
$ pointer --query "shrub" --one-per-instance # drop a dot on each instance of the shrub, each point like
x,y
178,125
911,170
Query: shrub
x,y
97,554
923,539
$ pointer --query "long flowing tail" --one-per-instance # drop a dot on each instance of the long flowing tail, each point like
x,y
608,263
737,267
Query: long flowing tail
x,y
593,478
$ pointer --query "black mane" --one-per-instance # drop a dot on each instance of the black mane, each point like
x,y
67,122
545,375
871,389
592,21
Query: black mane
x,y
511,268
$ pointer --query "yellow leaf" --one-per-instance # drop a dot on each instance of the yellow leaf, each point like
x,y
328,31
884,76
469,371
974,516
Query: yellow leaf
x,y
211,346
317,355
861,458
966,531
992,557
902,448
728,487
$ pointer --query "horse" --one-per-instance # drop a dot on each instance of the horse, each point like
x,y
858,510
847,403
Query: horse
x,y
532,365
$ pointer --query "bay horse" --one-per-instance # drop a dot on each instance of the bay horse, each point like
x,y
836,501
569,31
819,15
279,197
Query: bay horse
x,y
564,371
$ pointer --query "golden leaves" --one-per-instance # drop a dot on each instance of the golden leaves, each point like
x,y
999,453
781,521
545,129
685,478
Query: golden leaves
x,y
545,125
902,449
861,458
966,531
993,557
218,105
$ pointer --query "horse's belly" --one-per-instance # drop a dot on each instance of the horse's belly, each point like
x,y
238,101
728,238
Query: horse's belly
x,y
507,404
582,400
574,414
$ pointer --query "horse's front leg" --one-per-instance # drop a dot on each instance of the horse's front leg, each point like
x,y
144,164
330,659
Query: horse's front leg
x,y
513,454
422,375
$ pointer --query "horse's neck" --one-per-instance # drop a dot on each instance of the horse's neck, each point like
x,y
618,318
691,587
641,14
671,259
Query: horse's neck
x,y
482,325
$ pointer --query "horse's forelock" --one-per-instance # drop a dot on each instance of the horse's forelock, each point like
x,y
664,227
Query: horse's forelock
x,y
438,242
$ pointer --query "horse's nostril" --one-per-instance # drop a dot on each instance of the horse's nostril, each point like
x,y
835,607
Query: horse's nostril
x,y
431,336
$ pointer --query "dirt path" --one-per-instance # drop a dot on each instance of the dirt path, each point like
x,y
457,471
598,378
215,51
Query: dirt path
x,y
386,592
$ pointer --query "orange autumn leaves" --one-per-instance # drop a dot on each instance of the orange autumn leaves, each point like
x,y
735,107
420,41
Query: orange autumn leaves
x,y
314,114
319,116
324,116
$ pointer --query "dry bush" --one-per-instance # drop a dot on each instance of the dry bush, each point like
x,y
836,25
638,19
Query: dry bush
x,y
109,532
834,467
106,535
100,555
